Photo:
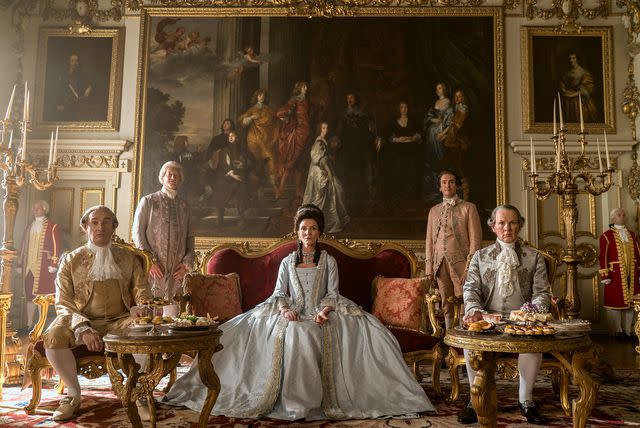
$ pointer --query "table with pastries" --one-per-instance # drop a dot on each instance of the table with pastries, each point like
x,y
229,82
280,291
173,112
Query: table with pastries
x,y
572,349
164,350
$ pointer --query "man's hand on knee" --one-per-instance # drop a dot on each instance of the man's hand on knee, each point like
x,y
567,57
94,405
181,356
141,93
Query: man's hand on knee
x,y
92,340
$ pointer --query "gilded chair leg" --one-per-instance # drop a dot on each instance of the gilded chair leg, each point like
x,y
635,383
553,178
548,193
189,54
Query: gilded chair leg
x,y
36,391
416,371
172,379
563,376
435,375
452,365
59,386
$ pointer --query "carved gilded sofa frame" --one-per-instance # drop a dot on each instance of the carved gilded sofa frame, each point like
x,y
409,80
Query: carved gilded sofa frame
x,y
91,366
429,325
507,366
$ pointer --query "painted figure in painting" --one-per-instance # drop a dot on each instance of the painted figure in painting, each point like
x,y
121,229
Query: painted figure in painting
x,y
41,247
226,175
298,355
73,92
402,154
501,278
619,273
357,132
457,139
262,134
293,139
323,186
162,226
188,160
575,81
220,140
168,40
96,288
435,124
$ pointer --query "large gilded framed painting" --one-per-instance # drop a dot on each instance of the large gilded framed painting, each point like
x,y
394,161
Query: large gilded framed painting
x,y
79,79
578,69
358,115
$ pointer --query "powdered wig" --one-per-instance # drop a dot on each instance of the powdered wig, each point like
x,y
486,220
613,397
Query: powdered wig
x,y
170,164
44,204
308,211
613,213
85,217
492,220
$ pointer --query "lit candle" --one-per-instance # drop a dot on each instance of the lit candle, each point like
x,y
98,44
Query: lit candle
x,y
50,149
55,146
599,155
11,138
24,146
28,107
555,131
558,157
560,110
8,114
581,119
533,156
24,107
606,150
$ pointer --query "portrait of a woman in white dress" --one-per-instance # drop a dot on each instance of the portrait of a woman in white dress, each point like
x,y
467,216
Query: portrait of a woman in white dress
x,y
307,352
324,188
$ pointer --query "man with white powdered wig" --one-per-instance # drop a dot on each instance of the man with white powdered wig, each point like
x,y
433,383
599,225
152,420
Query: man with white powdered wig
x,y
96,286
501,278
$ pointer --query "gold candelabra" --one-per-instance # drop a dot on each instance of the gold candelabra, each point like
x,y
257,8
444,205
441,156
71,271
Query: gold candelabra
x,y
571,176
16,171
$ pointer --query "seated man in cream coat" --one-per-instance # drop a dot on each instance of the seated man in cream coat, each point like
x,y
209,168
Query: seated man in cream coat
x,y
501,278
95,289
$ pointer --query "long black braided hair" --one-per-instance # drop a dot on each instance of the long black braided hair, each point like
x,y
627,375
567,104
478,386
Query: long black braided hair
x,y
308,211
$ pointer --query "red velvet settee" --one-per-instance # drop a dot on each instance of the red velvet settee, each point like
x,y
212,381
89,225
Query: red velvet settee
x,y
358,265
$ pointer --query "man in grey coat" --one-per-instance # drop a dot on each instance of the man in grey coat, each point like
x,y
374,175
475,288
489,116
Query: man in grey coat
x,y
501,278
162,226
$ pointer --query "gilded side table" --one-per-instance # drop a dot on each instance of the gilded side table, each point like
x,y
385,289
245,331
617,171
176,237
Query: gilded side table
x,y
164,352
576,347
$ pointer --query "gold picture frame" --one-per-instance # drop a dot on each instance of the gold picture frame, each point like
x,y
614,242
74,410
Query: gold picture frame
x,y
554,63
157,44
79,79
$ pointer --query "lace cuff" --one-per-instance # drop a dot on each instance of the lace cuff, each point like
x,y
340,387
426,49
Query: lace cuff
x,y
81,329
342,306
271,306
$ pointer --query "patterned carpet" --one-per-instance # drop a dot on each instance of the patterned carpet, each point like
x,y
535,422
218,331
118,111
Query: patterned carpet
x,y
617,405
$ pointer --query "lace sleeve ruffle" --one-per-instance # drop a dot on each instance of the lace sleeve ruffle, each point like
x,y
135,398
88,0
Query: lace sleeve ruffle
x,y
342,306
272,306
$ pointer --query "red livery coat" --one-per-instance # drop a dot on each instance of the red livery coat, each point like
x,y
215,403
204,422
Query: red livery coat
x,y
49,250
619,293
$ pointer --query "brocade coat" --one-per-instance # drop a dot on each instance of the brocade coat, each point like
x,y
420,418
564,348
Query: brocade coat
x,y
622,272
480,288
49,249
162,226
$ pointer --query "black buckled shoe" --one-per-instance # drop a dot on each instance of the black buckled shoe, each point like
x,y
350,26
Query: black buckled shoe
x,y
468,415
529,411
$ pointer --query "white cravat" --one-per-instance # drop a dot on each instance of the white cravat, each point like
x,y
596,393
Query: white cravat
x,y
622,231
36,227
449,201
170,193
104,266
507,264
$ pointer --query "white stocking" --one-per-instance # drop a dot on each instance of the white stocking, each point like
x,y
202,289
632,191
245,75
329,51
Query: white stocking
x,y
528,367
31,310
63,361
471,373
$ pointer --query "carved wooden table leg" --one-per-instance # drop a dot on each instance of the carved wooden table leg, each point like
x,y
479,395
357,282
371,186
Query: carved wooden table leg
x,y
211,381
483,390
587,387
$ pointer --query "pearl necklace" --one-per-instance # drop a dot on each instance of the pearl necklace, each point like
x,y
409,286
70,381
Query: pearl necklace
x,y
307,257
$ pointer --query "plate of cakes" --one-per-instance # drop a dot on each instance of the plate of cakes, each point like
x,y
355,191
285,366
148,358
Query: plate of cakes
x,y
146,322
193,322
479,327
529,330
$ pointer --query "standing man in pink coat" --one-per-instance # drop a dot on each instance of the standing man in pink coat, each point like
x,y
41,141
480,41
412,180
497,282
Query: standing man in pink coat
x,y
454,233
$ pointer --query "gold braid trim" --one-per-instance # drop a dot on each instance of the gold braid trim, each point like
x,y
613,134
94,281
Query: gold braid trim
x,y
623,266
329,397
36,274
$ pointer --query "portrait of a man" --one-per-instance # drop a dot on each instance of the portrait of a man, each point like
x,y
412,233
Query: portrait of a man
x,y
81,79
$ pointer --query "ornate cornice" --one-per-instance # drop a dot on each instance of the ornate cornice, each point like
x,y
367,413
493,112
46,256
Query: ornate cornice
x,y
83,13
569,11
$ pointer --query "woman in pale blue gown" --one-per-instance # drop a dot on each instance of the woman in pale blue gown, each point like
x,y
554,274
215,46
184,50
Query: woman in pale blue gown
x,y
307,352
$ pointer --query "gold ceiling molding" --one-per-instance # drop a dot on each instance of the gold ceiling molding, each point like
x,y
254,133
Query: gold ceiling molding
x,y
83,13
569,11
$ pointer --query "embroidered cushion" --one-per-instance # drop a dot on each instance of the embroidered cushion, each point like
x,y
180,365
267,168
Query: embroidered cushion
x,y
399,302
217,295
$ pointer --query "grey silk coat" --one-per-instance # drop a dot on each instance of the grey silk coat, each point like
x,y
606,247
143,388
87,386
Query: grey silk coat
x,y
162,226
480,289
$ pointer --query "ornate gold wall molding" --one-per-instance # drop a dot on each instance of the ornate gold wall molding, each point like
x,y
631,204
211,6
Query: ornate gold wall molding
x,y
83,13
569,11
